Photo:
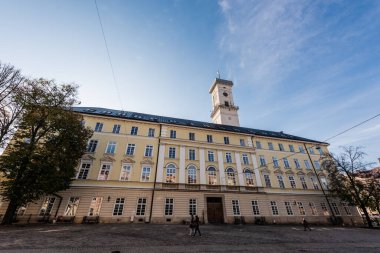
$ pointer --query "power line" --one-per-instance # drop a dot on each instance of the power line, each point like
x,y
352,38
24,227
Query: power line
x,y
109,57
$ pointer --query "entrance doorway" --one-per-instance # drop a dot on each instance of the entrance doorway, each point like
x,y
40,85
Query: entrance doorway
x,y
215,210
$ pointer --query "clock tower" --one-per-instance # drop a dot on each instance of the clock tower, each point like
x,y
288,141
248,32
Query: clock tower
x,y
224,110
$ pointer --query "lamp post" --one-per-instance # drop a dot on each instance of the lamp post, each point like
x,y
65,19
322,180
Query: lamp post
x,y
320,184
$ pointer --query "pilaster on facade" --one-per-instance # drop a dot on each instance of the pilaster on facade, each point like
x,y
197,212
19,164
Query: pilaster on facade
x,y
202,167
221,168
256,170
182,171
239,169
160,164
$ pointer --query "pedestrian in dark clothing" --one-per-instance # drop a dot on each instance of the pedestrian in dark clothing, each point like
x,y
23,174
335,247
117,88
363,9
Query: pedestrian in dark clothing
x,y
305,224
196,227
192,225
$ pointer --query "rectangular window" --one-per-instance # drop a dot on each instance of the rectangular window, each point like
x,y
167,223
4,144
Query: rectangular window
x,y
275,162
72,206
324,209
307,164
192,136
335,208
301,208
300,148
145,174
148,151
192,206
242,143
151,132
173,134
303,182
315,183
95,205
47,206
324,183
270,146
346,209
297,163
273,205
267,180
134,130
209,138
130,149
258,145
286,163
192,154
317,165
169,206
104,172
116,129
119,206
311,151
210,156
281,147
255,207
245,159
141,206
98,127
172,152
313,209
291,148
292,182
320,151
111,147
280,181
83,172
288,207
125,173
262,160
92,146
235,207
226,140
228,157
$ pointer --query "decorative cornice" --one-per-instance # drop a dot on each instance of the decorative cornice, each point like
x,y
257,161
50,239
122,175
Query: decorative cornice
x,y
127,160
107,158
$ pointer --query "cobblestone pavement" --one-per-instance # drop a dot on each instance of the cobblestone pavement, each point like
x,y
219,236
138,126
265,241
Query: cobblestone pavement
x,y
105,238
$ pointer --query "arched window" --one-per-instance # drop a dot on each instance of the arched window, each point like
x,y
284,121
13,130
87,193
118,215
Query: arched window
x,y
211,175
191,174
231,178
248,177
170,173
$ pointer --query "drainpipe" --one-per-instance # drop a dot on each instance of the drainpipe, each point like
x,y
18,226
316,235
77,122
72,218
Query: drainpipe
x,y
155,176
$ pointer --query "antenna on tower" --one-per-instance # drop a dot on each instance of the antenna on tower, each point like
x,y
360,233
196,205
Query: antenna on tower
x,y
218,74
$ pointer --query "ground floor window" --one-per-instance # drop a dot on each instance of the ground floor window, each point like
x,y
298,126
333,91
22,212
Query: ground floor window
x,y
72,206
288,207
47,206
324,209
255,207
335,208
141,206
273,205
235,207
301,208
169,206
192,206
95,205
346,208
119,206
22,210
313,208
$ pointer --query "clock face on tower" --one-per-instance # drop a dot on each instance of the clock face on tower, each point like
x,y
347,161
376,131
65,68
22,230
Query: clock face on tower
x,y
225,94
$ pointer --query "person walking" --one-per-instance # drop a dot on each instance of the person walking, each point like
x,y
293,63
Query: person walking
x,y
192,225
196,226
305,224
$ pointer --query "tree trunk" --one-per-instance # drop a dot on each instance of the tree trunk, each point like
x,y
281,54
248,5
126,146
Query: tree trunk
x,y
369,222
9,214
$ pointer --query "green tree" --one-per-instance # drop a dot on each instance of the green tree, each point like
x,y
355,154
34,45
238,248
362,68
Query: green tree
x,y
345,180
46,148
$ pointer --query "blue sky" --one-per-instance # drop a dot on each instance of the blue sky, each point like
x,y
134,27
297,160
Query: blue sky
x,y
308,68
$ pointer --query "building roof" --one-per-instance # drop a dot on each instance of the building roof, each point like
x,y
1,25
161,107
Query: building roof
x,y
185,122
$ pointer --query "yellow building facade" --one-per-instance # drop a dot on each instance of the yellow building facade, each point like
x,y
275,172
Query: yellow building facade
x,y
149,168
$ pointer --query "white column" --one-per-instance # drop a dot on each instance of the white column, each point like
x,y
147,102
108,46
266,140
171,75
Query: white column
x,y
182,176
160,164
239,170
222,177
202,166
257,172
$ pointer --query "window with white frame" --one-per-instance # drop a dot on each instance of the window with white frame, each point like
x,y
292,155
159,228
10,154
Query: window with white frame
x,y
98,127
191,174
273,206
297,163
209,138
172,152
335,208
267,180
192,154
148,151
280,181
270,146
134,130
211,176
192,136
288,207
242,142
72,206
228,157
315,183
317,165
245,159
95,205
169,206
151,132
118,207
275,162
192,206
231,177
346,209
116,129
303,182
235,207
301,208
210,155
301,149
281,147
291,148
145,174
111,147
173,134
248,177
262,160
255,207
226,140
141,206
324,209
125,174
47,206
313,209
258,145
104,172
307,164
170,173
130,149
286,162
292,181
83,172
92,144
22,210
